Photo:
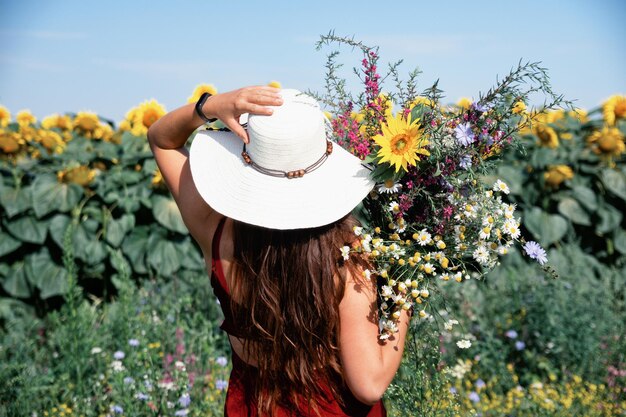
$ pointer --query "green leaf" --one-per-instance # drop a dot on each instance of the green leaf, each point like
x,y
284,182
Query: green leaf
x,y
164,257
586,197
12,309
16,282
191,256
573,211
615,182
58,225
50,195
8,244
610,219
42,272
117,229
547,228
28,229
135,246
166,212
512,177
620,241
16,201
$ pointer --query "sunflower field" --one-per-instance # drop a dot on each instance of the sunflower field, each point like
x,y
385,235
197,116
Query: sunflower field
x,y
105,306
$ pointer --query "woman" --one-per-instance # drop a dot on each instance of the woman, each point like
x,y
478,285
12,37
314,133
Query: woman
x,y
270,207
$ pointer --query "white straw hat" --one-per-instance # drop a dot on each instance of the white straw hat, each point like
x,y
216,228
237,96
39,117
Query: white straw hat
x,y
261,193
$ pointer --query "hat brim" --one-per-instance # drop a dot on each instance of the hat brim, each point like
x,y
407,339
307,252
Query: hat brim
x,y
238,191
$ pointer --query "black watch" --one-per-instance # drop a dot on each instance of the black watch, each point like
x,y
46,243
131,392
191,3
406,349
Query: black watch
x,y
199,104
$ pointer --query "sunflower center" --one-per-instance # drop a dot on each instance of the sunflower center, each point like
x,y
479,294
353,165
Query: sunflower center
x,y
607,143
399,143
149,117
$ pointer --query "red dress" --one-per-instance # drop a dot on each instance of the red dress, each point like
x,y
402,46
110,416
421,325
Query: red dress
x,y
241,384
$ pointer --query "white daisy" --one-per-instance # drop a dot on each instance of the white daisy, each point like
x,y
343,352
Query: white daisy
x,y
501,186
512,228
448,325
389,187
423,238
481,254
485,232
367,274
345,252
464,344
394,207
357,230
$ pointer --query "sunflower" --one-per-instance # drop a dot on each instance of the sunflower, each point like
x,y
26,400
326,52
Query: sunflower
x,y
607,143
86,122
420,100
51,140
519,107
202,88
464,103
5,116
58,121
401,142
10,142
613,109
103,132
547,136
81,175
25,118
556,174
145,115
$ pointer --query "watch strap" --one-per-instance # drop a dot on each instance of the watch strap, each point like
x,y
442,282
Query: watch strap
x,y
199,105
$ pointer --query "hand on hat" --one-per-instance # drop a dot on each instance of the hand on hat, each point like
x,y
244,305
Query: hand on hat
x,y
229,106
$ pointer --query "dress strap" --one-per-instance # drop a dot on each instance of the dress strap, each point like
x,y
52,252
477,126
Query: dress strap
x,y
216,263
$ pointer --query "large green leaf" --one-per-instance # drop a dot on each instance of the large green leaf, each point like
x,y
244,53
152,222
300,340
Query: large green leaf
x,y
45,274
164,257
135,247
8,244
573,211
16,201
58,225
117,229
50,195
190,255
547,228
610,219
28,229
615,182
12,309
513,177
620,241
16,282
166,212
586,197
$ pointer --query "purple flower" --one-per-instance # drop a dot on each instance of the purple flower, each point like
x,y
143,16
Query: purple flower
x,y
465,162
221,385
142,396
133,342
182,412
452,390
536,252
184,400
464,134
480,383
519,345
221,361
478,106
511,334
474,397
119,355
117,409
128,380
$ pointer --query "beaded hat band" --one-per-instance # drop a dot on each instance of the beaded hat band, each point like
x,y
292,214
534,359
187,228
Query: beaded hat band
x,y
288,174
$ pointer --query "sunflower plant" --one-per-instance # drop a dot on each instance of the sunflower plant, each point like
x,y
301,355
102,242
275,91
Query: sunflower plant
x,y
432,216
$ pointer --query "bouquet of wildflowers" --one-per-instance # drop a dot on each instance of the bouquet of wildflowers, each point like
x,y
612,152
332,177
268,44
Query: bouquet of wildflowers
x,y
431,215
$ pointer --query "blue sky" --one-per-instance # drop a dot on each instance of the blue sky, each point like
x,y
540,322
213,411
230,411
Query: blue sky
x,y
107,57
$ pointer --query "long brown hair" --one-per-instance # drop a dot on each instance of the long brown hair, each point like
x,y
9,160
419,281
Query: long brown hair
x,y
288,285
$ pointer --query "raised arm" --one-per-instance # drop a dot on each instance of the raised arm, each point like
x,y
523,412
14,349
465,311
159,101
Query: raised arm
x,y
168,135
369,364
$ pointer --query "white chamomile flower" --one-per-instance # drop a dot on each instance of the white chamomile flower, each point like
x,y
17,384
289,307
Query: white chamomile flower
x,y
423,238
485,232
448,325
401,225
512,228
488,221
345,252
394,207
464,344
357,230
386,291
481,254
367,274
445,276
501,186
441,244
389,187
429,268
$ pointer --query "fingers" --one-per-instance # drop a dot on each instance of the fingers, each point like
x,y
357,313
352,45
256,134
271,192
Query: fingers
x,y
236,128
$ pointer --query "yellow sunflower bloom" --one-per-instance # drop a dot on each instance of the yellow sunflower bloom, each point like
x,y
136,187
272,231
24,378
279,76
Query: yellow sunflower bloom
x,y
420,100
86,122
546,136
10,142
5,116
201,89
557,174
51,140
103,132
58,121
613,109
147,113
25,118
274,84
81,175
519,107
607,143
464,103
157,179
401,142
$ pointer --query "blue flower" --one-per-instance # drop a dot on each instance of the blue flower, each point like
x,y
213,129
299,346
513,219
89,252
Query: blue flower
x,y
133,342
119,355
474,397
128,380
464,134
452,390
536,252
511,334
465,162
117,409
184,400
142,396
519,345
221,361
480,383
221,385
478,106
182,412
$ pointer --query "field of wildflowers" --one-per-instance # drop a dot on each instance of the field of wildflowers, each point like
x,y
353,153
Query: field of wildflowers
x,y
105,308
